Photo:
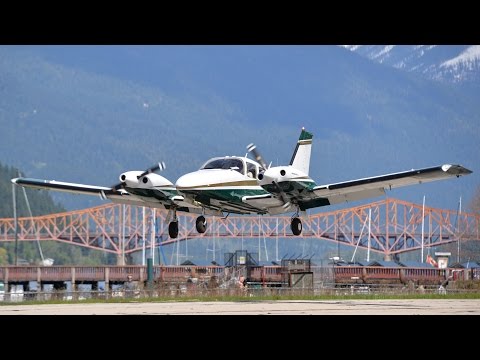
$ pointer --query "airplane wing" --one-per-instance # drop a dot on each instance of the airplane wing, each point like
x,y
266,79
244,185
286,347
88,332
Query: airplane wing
x,y
65,186
375,186
264,203
157,198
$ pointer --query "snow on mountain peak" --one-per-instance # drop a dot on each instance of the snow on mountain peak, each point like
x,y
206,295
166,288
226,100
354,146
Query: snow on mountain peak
x,y
383,52
467,58
351,47
451,63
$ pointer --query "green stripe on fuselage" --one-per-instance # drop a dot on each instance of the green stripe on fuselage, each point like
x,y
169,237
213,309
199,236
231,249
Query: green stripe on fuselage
x,y
229,195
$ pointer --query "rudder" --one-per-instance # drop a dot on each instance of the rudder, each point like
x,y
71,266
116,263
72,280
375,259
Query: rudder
x,y
301,156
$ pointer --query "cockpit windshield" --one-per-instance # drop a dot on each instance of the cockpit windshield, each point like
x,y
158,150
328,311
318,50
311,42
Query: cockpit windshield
x,y
225,163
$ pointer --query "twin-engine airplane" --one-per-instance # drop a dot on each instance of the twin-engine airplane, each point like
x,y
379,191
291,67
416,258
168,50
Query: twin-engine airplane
x,y
234,184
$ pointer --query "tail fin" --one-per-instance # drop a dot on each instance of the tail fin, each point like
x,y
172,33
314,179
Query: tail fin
x,y
301,155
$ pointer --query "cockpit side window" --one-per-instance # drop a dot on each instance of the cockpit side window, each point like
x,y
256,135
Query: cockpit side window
x,y
215,164
251,170
234,164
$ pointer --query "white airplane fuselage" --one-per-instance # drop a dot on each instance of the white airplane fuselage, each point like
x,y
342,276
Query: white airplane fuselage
x,y
221,183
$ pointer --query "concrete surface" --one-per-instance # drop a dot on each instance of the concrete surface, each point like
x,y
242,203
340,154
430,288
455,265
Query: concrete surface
x,y
287,307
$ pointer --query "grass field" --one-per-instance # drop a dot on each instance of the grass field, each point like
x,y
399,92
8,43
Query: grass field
x,y
252,297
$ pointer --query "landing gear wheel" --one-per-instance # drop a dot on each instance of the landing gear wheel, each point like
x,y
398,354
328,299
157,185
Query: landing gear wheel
x,y
201,224
173,229
296,226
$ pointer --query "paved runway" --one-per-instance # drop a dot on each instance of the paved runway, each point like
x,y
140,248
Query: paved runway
x,y
288,307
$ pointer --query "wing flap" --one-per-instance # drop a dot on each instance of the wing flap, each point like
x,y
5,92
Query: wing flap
x,y
354,196
263,201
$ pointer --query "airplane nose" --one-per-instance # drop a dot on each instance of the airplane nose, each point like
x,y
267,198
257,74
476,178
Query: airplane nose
x,y
186,181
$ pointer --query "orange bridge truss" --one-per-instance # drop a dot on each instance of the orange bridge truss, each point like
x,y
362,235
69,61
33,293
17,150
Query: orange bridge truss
x,y
389,226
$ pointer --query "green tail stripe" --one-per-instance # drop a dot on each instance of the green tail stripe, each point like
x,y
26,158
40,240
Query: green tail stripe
x,y
305,135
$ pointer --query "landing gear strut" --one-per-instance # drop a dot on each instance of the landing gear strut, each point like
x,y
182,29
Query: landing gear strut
x,y
296,226
201,224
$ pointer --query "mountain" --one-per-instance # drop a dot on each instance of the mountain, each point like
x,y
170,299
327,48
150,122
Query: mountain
x,y
454,63
87,113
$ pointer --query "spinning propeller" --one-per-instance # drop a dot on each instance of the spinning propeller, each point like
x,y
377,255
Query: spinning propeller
x,y
283,196
253,149
160,166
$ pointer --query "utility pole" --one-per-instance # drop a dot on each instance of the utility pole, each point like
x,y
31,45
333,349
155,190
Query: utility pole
x,y
143,235
14,194
152,236
423,224
458,229
123,234
369,233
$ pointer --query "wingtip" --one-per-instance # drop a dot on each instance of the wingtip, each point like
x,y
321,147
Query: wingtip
x,y
456,169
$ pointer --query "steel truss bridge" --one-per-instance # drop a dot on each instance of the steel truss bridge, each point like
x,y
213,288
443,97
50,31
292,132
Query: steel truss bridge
x,y
388,227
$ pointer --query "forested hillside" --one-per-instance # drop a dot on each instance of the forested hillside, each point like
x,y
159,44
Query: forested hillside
x,y
41,203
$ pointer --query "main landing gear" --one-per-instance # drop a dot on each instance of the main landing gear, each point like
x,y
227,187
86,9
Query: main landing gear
x,y
296,226
173,229
200,224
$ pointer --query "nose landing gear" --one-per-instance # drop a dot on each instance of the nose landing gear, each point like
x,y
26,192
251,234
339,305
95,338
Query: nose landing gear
x,y
200,224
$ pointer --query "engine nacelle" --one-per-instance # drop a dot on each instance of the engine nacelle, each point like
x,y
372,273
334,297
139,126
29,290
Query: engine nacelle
x,y
280,174
154,180
131,179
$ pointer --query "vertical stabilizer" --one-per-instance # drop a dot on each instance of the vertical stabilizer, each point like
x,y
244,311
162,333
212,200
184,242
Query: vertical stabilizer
x,y
301,155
